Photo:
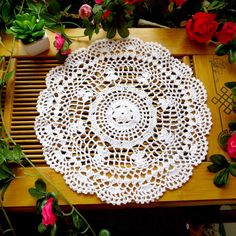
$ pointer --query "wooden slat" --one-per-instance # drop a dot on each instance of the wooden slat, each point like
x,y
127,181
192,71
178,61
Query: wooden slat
x,y
30,80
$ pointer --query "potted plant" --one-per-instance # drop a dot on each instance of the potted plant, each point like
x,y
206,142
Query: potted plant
x,y
31,32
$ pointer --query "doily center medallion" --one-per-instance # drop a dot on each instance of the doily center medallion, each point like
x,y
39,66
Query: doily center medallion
x,y
123,116
124,120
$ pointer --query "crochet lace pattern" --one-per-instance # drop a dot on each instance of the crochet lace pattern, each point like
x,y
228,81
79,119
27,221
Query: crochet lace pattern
x,y
124,120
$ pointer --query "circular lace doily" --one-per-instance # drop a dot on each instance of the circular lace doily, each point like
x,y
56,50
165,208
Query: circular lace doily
x,y
123,119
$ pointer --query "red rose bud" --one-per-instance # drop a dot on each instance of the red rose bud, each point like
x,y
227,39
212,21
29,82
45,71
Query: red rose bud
x,y
106,14
85,11
227,33
201,27
49,218
231,146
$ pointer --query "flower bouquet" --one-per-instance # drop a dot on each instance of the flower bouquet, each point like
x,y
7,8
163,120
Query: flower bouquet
x,y
110,15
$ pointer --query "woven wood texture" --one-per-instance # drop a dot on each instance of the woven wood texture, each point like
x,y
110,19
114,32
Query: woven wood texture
x,y
30,80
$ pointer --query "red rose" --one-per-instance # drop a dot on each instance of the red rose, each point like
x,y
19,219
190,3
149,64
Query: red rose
x,y
99,2
49,218
178,3
231,146
106,14
201,27
227,33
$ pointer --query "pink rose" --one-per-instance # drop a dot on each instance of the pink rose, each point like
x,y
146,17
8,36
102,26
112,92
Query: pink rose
x,y
178,3
59,41
99,2
49,218
85,11
227,33
201,27
231,146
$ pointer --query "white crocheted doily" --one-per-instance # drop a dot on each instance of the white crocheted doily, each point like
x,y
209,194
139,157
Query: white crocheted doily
x,y
123,119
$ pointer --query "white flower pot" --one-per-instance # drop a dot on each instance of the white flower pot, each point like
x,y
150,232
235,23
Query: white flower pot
x,y
38,46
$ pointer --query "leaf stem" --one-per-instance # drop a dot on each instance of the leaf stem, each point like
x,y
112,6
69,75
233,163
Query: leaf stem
x,y
7,218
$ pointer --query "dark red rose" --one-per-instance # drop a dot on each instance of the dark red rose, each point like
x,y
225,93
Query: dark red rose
x,y
201,27
227,33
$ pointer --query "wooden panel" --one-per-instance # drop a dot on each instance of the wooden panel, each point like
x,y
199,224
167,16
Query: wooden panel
x,y
30,74
214,71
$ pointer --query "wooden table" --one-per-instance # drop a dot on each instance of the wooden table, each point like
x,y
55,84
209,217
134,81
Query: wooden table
x,y
29,78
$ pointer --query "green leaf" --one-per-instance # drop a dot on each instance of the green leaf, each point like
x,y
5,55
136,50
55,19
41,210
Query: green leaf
x,y
42,228
38,34
97,8
230,85
232,56
222,49
214,168
219,160
40,185
222,229
98,17
36,193
6,171
232,125
123,31
17,153
221,178
8,75
88,32
234,108
77,222
111,32
6,12
222,139
104,232
53,230
232,168
233,90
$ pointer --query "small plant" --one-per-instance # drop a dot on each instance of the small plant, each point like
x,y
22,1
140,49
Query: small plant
x,y
27,28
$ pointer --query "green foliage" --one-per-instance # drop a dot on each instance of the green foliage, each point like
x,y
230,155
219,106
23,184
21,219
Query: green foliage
x,y
104,232
227,49
223,168
77,224
113,16
27,28
8,156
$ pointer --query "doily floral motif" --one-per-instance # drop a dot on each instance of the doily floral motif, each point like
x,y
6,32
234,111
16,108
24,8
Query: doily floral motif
x,y
123,119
